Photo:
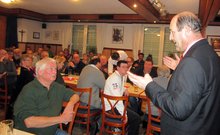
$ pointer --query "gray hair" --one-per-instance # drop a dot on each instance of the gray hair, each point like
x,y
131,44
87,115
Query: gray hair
x,y
188,19
163,71
42,64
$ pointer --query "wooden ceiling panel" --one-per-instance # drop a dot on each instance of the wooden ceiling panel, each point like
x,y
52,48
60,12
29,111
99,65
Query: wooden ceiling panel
x,y
144,9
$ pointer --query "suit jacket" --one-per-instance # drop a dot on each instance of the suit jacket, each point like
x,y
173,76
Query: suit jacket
x,y
76,69
191,104
94,78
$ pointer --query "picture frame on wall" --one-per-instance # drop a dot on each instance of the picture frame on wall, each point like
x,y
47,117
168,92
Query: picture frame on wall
x,y
48,35
36,35
214,41
117,34
56,35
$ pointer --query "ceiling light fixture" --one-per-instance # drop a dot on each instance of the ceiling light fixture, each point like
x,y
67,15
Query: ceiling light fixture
x,y
159,6
7,1
135,5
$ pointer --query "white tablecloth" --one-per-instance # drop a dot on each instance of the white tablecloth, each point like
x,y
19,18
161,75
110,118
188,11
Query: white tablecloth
x,y
19,132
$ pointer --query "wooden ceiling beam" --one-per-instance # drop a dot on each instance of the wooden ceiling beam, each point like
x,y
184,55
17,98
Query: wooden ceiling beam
x,y
144,8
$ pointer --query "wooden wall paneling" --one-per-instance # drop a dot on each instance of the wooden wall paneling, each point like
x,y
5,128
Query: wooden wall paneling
x,y
59,48
55,48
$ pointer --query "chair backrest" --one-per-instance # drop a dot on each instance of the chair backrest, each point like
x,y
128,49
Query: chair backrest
x,y
70,126
4,97
113,101
151,126
85,114
81,92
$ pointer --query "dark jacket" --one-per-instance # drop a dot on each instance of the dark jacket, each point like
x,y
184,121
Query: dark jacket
x,y
191,104
76,69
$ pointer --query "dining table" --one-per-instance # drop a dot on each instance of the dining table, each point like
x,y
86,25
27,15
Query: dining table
x,y
71,81
135,91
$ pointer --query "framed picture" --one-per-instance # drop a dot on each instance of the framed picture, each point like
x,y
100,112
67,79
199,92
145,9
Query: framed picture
x,y
56,35
117,34
36,35
214,41
48,35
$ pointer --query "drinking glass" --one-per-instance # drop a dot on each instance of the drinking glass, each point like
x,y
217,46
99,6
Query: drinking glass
x,y
70,72
6,127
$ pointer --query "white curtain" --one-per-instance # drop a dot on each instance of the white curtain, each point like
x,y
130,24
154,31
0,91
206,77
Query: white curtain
x,y
100,36
66,37
138,39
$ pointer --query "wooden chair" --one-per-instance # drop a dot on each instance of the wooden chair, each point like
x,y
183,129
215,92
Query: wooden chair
x,y
85,114
4,97
111,119
70,124
153,123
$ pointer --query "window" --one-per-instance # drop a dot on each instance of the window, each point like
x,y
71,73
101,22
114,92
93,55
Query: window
x,y
151,42
84,38
77,38
169,47
91,39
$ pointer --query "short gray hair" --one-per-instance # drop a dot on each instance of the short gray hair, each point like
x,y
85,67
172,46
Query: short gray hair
x,y
42,64
188,19
163,71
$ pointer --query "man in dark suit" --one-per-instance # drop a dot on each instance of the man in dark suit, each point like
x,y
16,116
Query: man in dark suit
x,y
190,106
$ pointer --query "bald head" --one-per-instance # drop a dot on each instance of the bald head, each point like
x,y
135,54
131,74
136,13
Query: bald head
x,y
76,58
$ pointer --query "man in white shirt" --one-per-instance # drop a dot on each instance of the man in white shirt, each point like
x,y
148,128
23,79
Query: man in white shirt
x,y
114,86
115,57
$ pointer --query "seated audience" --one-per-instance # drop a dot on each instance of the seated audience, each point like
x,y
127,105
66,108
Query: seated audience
x,y
67,53
38,106
162,80
76,65
85,59
148,68
48,49
114,58
44,54
60,64
131,67
114,86
135,103
17,57
92,77
27,73
37,54
104,65
140,61
7,66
